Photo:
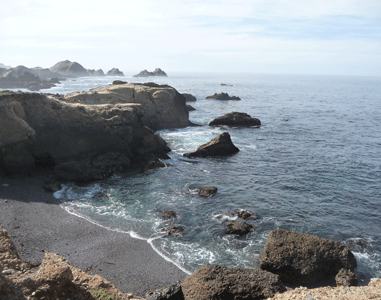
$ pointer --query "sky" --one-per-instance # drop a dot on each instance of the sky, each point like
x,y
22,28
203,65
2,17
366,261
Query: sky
x,y
325,37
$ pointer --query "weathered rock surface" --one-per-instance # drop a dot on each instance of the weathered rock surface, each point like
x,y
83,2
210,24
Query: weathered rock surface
x,y
223,96
346,278
235,119
87,142
304,258
189,97
168,214
158,106
173,292
115,72
239,227
207,191
156,72
221,145
53,279
212,282
174,230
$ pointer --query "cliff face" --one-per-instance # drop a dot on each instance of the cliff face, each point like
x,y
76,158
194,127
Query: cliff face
x,y
83,141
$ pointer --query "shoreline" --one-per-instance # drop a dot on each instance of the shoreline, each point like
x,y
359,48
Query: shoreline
x,y
37,224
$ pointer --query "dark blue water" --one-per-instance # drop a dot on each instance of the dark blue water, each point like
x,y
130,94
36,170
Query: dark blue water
x,y
314,166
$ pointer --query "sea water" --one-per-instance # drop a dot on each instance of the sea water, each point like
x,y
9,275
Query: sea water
x,y
314,166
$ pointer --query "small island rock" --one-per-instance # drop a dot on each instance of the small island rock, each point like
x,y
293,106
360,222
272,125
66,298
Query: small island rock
x,y
115,72
207,191
235,119
223,96
157,72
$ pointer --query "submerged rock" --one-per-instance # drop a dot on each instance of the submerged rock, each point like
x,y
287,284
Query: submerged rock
x,y
235,119
168,214
217,282
304,258
244,214
238,227
221,145
207,191
223,96
174,230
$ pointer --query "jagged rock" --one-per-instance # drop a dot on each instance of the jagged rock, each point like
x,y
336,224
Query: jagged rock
x,y
221,145
212,282
173,292
174,230
223,96
235,119
115,72
85,142
189,97
156,72
207,191
243,214
168,214
238,227
190,108
346,278
53,279
304,258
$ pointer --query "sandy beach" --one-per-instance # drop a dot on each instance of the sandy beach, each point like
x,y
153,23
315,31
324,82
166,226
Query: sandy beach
x,y
37,224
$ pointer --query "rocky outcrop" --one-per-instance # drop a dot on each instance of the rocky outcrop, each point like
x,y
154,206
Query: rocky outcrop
x,y
346,278
168,214
239,227
174,230
190,108
53,279
212,282
115,72
156,72
207,191
158,106
223,96
173,292
189,97
69,69
304,258
235,119
87,142
221,145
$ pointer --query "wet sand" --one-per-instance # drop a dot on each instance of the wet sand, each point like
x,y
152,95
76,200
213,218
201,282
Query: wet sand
x,y
37,224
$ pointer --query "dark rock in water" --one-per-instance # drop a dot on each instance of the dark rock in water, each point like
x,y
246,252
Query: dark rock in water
x,y
221,145
157,72
244,214
207,191
155,163
174,230
346,278
115,72
52,185
235,119
168,214
119,82
22,77
217,282
190,108
303,258
189,97
224,84
173,292
223,96
238,227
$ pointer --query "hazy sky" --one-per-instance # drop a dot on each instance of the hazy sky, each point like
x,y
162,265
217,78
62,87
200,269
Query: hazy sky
x,y
259,36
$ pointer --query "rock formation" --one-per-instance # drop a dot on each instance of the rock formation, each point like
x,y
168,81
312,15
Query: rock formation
x,y
238,227
221,145
87,142
235,119
115,72
53,279
207,191
189,97
304,258
223,96
174,230
157,72
217,282
69,69
173,292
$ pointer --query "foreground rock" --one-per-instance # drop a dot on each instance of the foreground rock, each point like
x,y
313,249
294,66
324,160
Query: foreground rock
x,y
87,142
156,72
235,119
212,282
53,279
304,258
223,96
221,145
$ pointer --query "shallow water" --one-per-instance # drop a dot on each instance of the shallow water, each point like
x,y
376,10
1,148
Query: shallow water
x,y
314,166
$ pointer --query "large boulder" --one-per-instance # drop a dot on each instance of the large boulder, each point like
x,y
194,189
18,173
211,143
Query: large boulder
x,y
212,282
223,96
235,119
303,258
158,106
81,142
221,145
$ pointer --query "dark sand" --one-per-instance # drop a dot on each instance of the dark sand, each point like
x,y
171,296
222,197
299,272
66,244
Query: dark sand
x,y
37,224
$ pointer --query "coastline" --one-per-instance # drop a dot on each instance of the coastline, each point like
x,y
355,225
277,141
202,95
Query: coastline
x,y
37,224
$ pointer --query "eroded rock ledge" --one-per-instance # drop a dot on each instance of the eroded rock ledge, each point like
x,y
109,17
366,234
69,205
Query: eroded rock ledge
x,y
87,136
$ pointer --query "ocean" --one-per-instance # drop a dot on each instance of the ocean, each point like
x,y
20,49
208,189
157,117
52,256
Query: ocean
x,y
314,166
